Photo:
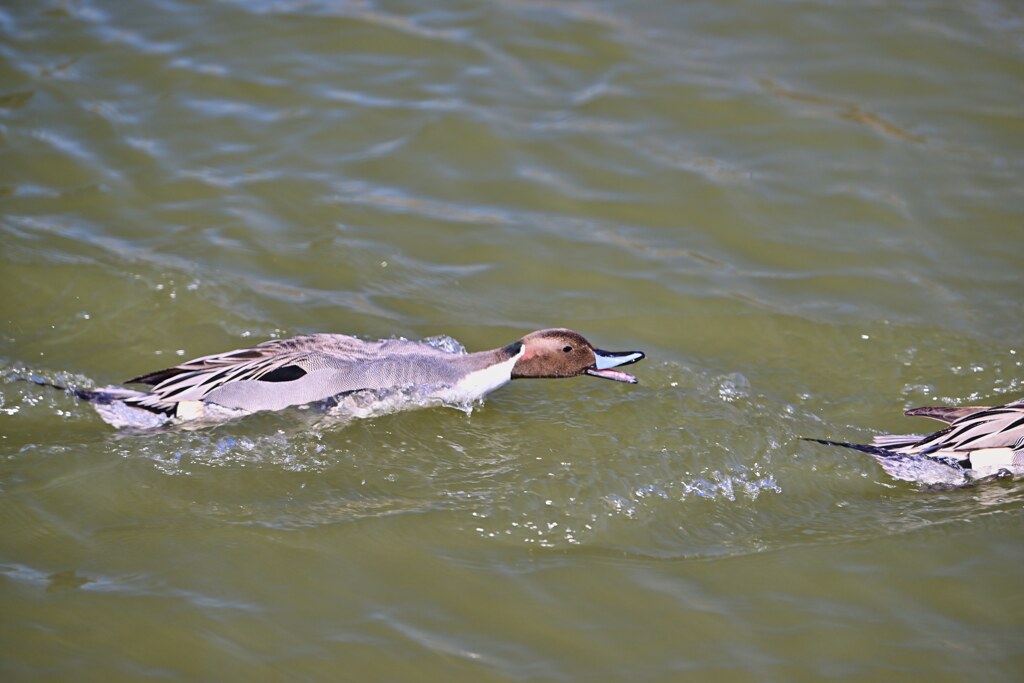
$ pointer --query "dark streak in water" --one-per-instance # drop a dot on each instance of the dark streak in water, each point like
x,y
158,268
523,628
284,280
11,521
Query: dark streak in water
x,y
842,110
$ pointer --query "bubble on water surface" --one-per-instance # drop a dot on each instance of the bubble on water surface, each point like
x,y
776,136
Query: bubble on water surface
x,y
733,387
446,344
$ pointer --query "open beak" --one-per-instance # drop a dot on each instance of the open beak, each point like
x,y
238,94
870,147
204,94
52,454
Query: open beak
x,y
605,361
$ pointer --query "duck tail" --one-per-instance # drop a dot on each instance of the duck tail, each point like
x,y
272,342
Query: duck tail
x,y
94,396
116,405
83,394
863,448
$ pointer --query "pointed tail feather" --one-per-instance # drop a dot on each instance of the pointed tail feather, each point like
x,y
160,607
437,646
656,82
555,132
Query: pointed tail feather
x,y
873,450
104,396
83,394
114,405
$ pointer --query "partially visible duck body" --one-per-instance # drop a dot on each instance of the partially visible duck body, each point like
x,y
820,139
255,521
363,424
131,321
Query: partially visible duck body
x,y
979,443
329,367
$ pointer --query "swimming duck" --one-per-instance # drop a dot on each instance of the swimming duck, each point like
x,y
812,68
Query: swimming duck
x,y
291,372
979,442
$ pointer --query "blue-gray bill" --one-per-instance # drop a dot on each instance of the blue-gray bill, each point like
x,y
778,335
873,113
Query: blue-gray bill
x,y
606,361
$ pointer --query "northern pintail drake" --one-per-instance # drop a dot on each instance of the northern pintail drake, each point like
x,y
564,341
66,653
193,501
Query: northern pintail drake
x,y
320,367
978,443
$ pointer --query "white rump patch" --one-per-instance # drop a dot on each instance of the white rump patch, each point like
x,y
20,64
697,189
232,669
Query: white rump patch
x,y
986,461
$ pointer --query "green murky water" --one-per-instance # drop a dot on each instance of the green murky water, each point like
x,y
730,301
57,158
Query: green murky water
x,y
809,215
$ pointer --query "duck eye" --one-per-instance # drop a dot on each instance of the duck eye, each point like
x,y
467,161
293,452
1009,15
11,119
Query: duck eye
x,y
567,349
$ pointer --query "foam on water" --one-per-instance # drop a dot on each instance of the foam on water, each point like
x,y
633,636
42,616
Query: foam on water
x,y
445,343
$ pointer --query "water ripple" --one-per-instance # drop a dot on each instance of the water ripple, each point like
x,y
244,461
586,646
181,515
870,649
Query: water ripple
x,y
809,224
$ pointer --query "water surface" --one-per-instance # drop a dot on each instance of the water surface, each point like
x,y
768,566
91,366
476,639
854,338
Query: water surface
x,y
809,215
